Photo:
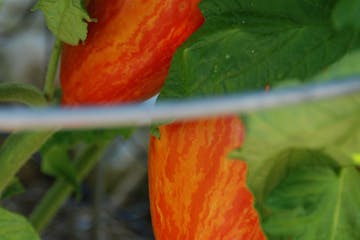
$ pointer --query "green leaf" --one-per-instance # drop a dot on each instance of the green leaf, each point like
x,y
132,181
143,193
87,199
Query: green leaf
x,y
356,158
154,130
15,227
332,125
16,150
313,199
278,166
21,93
69,138
247,45
56,163
60,191
347,14
306,12
348,66
67,19
15,187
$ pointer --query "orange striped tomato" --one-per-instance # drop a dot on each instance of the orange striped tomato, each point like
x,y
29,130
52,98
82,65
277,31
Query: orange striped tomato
x,y
196,191
127,53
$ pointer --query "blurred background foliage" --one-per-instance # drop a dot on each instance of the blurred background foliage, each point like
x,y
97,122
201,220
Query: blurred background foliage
x,y
114,198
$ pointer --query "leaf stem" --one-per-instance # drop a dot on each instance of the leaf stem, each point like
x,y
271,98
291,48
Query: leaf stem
x,y
61,189
21,93
49,87
16,150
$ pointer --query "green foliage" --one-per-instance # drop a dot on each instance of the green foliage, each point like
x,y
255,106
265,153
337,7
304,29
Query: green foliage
x,y
348,66
55,153
16,150
61,190
313,198
21,93
15,227
347,14
56,162
303,12
70,138
356,158
67,19
246,45
296,191
332,125
155,131
15,187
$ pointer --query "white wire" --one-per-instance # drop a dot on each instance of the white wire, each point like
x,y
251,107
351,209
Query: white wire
x,y
20,118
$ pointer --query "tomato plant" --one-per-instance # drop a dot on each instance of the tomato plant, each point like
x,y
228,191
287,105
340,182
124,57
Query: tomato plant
x,y
288,172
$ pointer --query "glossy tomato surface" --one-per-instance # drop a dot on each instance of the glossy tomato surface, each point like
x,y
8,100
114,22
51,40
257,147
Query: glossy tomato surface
x,y
196,191
127,53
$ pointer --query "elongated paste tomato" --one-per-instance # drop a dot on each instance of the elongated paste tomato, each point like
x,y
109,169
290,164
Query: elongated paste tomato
x,y
127,53
196,191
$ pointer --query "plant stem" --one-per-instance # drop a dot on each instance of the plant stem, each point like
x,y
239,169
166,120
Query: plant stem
x,y
61,189
16,150
49,87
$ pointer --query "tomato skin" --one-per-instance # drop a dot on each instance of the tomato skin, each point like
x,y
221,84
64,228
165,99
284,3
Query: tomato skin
x,y
127,53
196,192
